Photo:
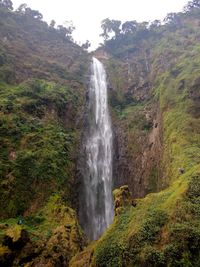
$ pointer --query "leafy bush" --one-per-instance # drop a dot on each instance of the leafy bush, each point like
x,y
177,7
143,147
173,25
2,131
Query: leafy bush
x,y
110,255
152,257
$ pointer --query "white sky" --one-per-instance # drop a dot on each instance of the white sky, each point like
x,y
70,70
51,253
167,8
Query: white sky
x,y
88,14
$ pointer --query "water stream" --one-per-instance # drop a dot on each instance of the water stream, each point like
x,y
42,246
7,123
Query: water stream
x,y
97,204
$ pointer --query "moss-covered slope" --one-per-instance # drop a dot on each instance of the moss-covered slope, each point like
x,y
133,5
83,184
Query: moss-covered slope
x,y
39,141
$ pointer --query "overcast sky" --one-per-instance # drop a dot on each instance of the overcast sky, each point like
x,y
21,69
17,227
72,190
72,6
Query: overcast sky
x,y
88,14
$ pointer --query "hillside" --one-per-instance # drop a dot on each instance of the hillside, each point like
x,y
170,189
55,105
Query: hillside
x,y
42,88
153,73
154,98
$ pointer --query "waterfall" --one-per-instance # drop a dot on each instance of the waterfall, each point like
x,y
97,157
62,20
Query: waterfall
x,y
96,202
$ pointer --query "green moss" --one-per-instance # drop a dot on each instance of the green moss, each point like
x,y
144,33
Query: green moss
x,y
53,230
32,125
111,253
51,215
14,232
152,257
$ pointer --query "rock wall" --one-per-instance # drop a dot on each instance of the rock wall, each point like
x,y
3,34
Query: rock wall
x,y
137,125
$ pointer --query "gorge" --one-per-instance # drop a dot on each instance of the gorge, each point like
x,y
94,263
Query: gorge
x,y
100,152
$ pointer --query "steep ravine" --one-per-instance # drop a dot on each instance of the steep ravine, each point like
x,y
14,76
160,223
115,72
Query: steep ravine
x,y
156,124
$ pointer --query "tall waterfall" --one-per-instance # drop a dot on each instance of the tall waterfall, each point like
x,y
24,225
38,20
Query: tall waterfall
x,y
96,204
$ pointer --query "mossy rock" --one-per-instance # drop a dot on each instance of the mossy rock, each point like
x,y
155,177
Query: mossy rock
x,y
84,258
122,198
54,239
14,233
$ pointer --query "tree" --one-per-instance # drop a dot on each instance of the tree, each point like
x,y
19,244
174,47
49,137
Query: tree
x,y
67,30
143,25
110,26
173,19
33,13
25,10
52,23
116,26
105,25
129,26
86,45
22,9
155,24
62,30
6,4
192,4
70,27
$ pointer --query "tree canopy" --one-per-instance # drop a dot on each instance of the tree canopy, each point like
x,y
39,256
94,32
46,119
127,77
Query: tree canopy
x,y
86,45
129,26
67,30
192,4
110,27
6,4
25,10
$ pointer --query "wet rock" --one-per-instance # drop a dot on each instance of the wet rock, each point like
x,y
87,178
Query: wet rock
x,y
64,242
83,259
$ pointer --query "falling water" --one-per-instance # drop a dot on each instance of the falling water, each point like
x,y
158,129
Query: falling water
x,y
96,204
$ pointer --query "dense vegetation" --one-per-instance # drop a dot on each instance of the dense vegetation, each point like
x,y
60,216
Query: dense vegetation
x,y
154,95
41,100
37,143
161,64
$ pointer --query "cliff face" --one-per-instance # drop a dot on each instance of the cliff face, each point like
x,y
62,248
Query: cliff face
x,y
154,89
138,130
135,68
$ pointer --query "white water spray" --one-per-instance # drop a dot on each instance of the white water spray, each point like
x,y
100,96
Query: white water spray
x,y
97,205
